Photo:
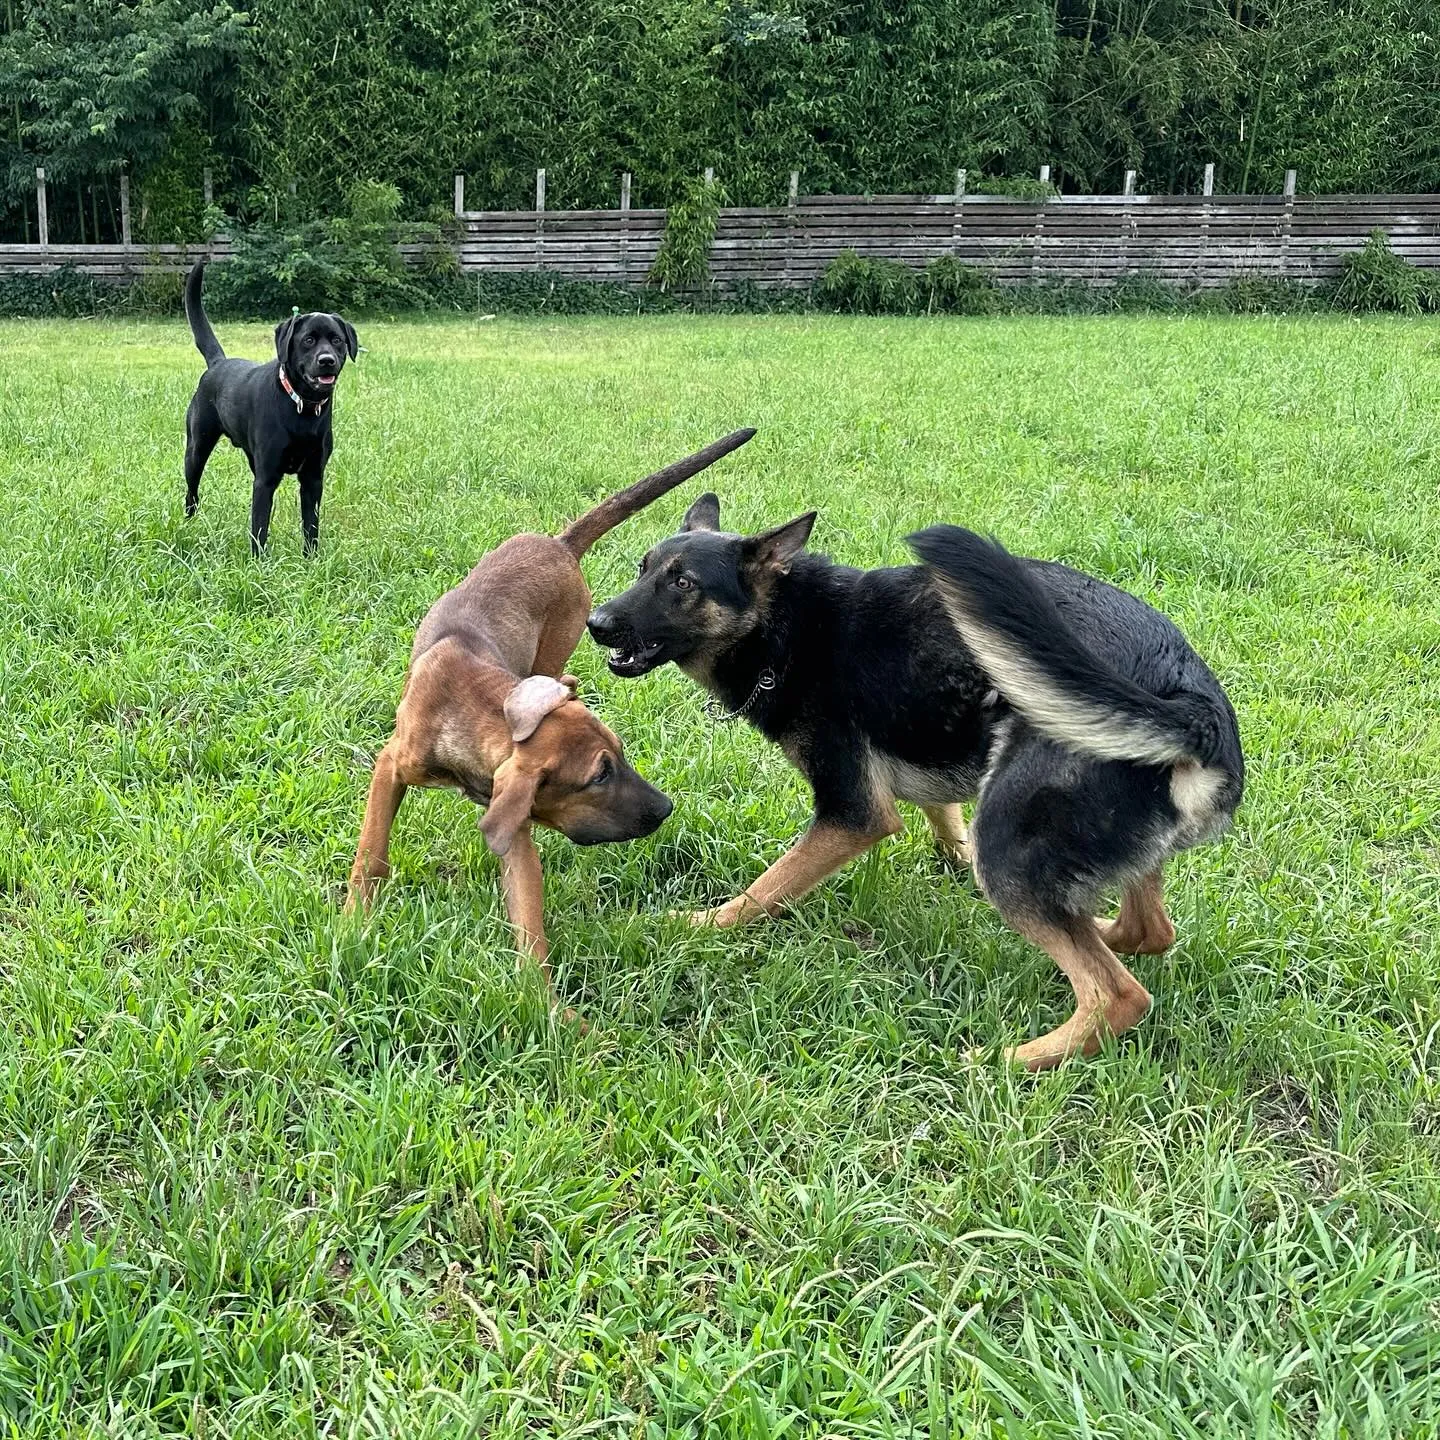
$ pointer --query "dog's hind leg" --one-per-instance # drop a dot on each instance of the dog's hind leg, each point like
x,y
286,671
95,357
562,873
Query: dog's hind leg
x,y
951,833
1142,927
372,856
821,851
1108,998
202,434
1050,832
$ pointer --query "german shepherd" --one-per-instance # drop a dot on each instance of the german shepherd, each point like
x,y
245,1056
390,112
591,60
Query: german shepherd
x,y
1093,760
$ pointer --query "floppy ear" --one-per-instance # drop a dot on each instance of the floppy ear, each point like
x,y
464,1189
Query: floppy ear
x,y
284,334
510,801
352,340
704,514
531,701
778,547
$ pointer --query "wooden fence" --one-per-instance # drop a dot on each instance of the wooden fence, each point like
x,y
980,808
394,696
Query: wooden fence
x,y
1200,240
1094,239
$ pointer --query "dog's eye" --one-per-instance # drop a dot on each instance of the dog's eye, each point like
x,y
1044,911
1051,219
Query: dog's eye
x,y
684,582
309,339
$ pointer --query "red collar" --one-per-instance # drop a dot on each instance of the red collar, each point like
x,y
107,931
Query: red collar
x,y
302,405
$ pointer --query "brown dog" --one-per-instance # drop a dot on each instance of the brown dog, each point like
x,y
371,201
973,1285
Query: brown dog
x,y
486,711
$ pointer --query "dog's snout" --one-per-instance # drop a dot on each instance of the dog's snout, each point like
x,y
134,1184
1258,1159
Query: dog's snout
x,y
601,625
326,361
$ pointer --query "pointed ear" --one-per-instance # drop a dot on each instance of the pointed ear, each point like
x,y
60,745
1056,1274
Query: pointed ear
x,y
776,548
704,514
284,333
511,797
352,340
531,701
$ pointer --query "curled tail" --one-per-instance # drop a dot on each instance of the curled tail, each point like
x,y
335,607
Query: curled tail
x,y
205,340
581,534
1048,673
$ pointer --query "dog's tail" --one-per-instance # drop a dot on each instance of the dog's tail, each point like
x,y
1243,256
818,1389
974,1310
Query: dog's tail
x,y
581,534
205,340
1048,673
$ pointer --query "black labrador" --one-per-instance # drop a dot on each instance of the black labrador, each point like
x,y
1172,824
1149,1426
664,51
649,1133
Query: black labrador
x,y
277,412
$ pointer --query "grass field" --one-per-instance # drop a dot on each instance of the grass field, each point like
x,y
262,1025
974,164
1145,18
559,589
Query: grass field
x,y
266,1172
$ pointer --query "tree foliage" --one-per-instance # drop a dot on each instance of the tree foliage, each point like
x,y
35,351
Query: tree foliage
x,y
860,95
94,84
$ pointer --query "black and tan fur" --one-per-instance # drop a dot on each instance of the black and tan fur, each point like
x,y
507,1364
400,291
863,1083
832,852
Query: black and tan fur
x,y
1091,761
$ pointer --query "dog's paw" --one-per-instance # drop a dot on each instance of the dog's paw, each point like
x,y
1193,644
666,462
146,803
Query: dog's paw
x,y
569,1016
720,918
699,919
954,857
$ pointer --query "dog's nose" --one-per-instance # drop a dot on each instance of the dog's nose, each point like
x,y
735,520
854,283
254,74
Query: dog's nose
x,y
327,361
602,626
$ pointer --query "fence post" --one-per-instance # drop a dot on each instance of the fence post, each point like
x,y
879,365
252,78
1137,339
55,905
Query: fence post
x,y
1208,191
1039,228
709,174
1285,232
207,187
1127,224
459,194
790,204
42,207
125,209
625,228
957,221
539,219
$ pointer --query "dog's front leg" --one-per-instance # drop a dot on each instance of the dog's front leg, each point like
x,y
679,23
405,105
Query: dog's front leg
x,y
525,902
821,851
262,502
312,488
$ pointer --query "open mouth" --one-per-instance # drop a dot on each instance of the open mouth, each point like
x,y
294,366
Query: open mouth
x,y
326,379
635,658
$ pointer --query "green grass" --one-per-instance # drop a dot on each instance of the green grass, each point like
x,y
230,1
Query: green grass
x,y
264,1172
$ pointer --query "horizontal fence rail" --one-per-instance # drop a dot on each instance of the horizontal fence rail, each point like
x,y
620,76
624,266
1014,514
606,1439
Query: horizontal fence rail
x,y
1199,240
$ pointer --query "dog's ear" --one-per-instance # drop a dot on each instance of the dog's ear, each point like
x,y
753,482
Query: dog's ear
x,y
704,514
511,797
775,549
284,334
531,701
352,340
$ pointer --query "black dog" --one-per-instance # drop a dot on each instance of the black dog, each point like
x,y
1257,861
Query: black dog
x,y
1094,760
277,412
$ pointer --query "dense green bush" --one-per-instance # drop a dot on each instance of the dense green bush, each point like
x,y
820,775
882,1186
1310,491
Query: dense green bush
x,y
683,260
1376,278
349,264
948,286
866,285
1262,295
